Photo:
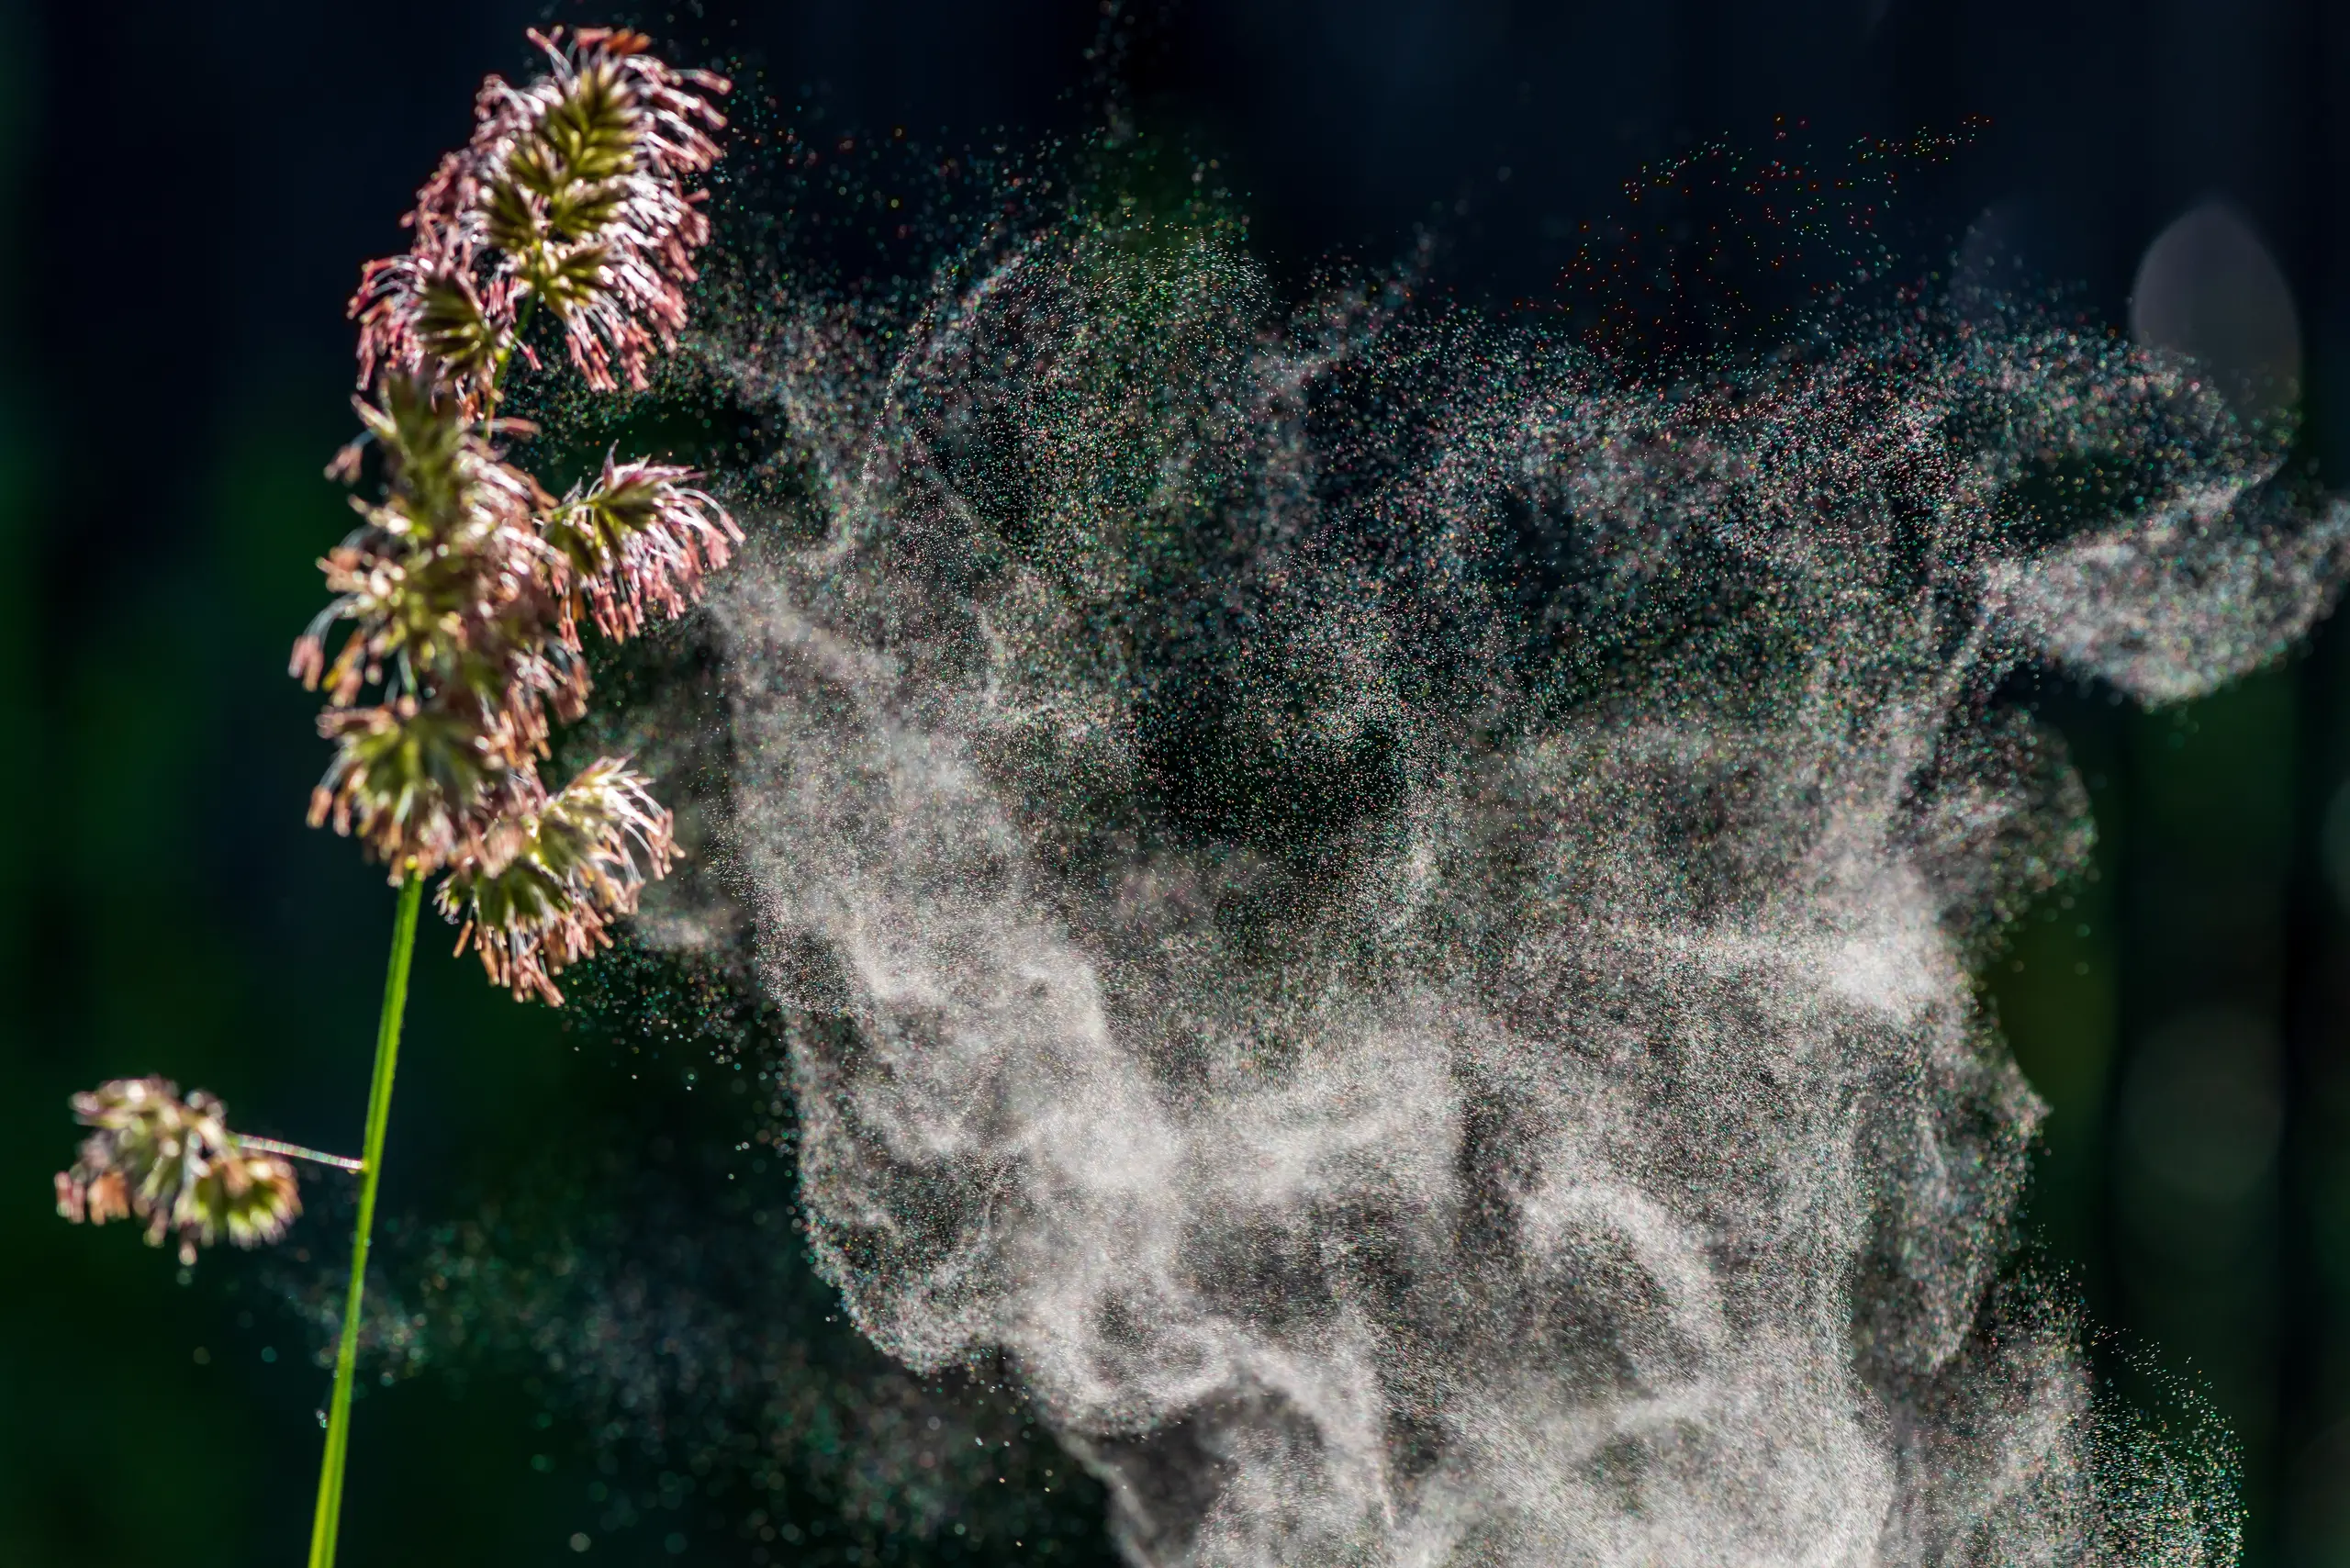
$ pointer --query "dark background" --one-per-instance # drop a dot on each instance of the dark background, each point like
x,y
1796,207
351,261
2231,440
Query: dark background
x,y
184,197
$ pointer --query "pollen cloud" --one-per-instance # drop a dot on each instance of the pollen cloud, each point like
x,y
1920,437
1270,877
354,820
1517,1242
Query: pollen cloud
x,y
1387,911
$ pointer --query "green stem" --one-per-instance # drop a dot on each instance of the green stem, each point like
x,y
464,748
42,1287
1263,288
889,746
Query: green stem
x,y
328,1516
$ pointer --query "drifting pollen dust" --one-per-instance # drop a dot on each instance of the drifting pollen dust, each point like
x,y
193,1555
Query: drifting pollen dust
x,y
1381,905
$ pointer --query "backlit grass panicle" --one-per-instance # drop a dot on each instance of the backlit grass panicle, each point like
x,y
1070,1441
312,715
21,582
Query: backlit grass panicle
x,y
544,891
455,602
587,193
464,584
174,1165
447,581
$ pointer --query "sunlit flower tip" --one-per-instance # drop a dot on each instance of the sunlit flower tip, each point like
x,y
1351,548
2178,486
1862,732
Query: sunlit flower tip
x,y
543,890
570,190
582,188
174,1164
674,116
642,539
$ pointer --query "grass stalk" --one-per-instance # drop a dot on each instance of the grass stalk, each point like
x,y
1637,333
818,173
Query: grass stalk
x,y
328,1516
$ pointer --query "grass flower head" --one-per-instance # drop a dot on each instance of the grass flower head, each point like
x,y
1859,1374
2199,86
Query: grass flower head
x,y
172,1164
464,584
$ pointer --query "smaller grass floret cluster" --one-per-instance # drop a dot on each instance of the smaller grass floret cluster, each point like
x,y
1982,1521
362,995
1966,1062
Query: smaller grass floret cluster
x,y
174,1164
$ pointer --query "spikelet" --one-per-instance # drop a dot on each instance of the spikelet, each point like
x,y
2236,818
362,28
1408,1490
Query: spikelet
x,y
408,779
641,538
542,894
